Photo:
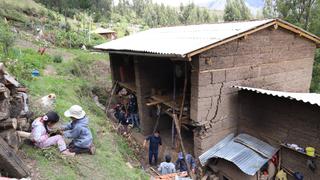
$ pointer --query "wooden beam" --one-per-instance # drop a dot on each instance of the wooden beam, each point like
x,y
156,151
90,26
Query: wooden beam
x,y
9,124
176,122
11,163
299,31
153,103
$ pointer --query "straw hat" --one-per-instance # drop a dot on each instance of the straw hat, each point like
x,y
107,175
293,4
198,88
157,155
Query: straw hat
x,y
75,111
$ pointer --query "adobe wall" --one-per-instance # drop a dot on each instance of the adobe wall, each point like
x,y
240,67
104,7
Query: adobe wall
x,y
275,120
269,59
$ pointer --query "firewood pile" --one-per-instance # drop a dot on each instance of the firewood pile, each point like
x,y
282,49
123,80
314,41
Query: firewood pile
x,y
13,118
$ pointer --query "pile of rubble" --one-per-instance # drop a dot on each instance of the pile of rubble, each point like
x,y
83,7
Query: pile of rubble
x,y
14,115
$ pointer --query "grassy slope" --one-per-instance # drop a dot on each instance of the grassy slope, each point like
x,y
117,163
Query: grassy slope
x,y
112,150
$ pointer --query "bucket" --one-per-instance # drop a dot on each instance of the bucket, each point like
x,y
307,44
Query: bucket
x,y
35,73
310,151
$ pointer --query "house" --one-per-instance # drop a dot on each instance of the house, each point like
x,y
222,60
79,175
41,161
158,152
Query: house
x,y
107,33
190,71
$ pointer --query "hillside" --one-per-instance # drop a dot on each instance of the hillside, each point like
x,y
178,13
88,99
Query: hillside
x,y
73,75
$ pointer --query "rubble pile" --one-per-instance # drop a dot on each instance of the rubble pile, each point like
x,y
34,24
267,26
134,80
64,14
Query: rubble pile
x,y
14,115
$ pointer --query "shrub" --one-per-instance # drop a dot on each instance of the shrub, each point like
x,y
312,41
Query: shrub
x,y
57,59
6,37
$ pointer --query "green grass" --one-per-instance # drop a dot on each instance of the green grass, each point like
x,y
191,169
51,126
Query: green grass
x,y
112,153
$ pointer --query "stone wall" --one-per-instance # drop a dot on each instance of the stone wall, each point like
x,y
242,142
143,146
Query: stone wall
x,y
278,120
269,59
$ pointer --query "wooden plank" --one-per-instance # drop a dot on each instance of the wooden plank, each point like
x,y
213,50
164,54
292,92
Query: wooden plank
x,y
176,122
12,138
11,164
129,86
167,100
8,124
153,103
184,119
298,30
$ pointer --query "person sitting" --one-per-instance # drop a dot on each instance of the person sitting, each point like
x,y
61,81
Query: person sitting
x,y
40,133
181,164
78,130
167,167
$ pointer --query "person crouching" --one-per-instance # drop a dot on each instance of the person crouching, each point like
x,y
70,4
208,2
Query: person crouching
x,y
40,133
78,130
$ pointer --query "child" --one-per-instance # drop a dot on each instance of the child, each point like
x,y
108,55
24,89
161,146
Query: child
x,y
78,131
40,133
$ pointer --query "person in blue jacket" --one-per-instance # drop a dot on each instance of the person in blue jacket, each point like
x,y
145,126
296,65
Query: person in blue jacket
x,y
181,163
154,143
78,130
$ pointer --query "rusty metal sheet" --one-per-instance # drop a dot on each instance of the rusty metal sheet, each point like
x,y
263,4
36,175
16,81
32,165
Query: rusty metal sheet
x,y
245,151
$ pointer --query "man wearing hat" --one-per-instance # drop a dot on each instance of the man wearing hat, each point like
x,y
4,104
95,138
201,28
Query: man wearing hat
x,y
78,130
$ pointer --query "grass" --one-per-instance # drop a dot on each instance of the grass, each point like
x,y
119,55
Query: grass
x,y
112,153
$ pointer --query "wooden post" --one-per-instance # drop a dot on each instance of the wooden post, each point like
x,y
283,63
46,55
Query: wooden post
x,y
12,138
112,92
182,146
8,124
11,163
183,97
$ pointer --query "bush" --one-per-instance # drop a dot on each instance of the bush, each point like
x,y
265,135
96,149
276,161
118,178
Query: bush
x,y
6,37
22,64
73,39
57,59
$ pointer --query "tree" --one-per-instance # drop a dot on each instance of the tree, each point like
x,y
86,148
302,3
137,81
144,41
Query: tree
x,y
269,9
296,11
236,10
6,37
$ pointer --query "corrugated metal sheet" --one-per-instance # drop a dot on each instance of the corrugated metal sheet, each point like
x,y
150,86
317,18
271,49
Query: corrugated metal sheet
x,y
180,40
245,151
310,98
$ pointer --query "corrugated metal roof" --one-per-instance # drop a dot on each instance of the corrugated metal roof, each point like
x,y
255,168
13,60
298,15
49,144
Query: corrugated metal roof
x,y
245,151
310,98
180,40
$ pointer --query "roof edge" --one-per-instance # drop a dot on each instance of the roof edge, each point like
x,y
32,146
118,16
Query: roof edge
x,y
278,22
289,97
142,53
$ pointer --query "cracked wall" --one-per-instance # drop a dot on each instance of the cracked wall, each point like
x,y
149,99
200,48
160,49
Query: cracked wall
x,y
269,59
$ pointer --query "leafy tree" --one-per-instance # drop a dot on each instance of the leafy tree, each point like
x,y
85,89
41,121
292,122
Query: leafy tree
x,y
296,11
236,10
6,37
269,9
